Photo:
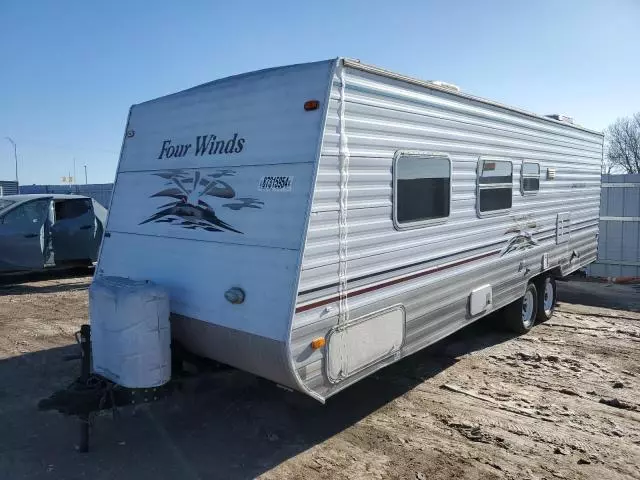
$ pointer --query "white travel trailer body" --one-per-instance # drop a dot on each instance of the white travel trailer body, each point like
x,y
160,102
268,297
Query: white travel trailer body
x,y
316,222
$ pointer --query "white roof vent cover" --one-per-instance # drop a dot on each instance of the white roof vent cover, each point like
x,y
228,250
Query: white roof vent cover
x,y
448,86
561,118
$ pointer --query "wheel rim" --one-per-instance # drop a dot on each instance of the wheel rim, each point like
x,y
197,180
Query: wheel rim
x,y
548,297
527,308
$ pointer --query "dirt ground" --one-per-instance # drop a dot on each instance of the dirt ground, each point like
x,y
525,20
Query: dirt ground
x,y
560,402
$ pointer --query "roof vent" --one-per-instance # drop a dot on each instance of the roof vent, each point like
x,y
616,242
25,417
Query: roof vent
x,y
561,118
446,85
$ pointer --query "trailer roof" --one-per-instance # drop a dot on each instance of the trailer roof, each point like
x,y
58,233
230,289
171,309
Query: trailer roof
x,y
357,64
353,63
237,76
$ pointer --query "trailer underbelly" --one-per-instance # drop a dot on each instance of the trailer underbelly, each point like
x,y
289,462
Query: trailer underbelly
x,y
255,354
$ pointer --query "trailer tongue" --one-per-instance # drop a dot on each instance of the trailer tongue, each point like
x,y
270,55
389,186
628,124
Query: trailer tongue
x,y
91,393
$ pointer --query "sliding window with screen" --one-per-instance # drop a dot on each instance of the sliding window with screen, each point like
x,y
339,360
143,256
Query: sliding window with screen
x,y
421,189
494,193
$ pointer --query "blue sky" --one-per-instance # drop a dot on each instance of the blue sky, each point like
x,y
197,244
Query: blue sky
x,y
71,69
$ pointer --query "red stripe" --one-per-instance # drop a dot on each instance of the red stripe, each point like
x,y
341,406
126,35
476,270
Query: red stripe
x,y
395,281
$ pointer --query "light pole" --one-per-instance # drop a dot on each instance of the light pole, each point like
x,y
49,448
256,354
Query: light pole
x,y
15,156
85,175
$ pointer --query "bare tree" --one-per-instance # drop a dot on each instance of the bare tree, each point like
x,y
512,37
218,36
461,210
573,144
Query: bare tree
x,y
623,144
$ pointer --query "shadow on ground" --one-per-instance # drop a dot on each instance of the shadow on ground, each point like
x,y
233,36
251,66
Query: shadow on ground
x,y
229,425
26,283
597,294
42,275
31,289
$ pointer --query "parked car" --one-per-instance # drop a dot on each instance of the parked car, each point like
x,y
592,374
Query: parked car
x,y
40,231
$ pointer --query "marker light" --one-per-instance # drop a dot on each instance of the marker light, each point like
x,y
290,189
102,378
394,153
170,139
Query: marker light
x,y
311,105
317,343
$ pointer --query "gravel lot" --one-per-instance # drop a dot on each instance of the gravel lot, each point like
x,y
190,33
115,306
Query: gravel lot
x,y
560,402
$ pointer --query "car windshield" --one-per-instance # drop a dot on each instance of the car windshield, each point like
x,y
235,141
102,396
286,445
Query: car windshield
x,y
4,203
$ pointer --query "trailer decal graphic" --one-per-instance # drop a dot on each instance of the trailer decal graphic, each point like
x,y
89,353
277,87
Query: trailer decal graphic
x,y
524,227
395,281
192,193
522,241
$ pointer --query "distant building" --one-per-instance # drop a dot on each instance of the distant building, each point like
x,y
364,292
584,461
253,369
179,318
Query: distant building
x,y
9,187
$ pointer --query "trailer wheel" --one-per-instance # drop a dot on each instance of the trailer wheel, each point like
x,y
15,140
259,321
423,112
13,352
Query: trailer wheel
x,y
547,298
520,316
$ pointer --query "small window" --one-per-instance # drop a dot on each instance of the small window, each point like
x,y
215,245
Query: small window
x,y
494,185
530,178
422,189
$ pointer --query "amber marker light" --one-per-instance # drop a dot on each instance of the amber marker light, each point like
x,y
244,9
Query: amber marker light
x,y
311,105
317,343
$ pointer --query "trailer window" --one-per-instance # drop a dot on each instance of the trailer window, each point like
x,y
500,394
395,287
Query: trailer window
x,y
494,185
422,189
530,178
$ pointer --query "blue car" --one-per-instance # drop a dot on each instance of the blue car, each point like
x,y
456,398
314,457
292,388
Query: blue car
x,y
40,231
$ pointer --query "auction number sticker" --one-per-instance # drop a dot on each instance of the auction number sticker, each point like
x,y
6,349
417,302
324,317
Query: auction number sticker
x,y
276,183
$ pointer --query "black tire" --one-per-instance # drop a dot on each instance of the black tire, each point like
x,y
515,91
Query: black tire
x,y
546,306
520,316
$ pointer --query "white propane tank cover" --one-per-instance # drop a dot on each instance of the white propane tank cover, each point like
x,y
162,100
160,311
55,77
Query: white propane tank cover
x,y
130,333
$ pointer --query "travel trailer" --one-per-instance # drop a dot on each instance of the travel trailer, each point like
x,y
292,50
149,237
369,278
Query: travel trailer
x,y
316,222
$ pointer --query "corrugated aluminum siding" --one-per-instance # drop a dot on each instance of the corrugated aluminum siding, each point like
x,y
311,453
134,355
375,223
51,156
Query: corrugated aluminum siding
x,y
619,242
384,115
